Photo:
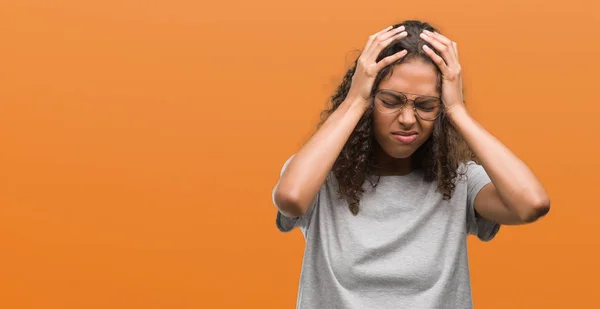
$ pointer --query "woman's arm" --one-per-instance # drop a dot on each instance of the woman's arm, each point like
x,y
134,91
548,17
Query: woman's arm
x,y
308,169
515,195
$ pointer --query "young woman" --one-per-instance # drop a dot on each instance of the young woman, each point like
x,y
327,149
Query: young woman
x,y
395,178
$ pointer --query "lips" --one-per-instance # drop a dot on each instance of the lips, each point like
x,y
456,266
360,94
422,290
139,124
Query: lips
x,y
405,137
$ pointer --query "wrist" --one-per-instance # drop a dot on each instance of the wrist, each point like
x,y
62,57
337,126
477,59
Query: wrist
x,y
457,113
356,102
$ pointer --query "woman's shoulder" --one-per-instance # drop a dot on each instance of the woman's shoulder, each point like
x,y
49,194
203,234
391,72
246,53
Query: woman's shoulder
x,y
469,167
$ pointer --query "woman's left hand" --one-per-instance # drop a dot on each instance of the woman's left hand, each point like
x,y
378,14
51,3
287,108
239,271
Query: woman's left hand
x,y
449,66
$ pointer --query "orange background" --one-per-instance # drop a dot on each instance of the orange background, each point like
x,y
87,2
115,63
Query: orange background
x,y
141,141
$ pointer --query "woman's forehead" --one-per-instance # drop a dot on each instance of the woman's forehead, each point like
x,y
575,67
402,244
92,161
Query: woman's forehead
x,y
415,77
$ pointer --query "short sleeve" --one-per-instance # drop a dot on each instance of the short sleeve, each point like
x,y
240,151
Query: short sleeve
x,y
483,228
286,224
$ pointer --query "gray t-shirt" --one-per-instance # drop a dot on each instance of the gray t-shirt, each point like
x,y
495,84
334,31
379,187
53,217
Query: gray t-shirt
x,y
406,248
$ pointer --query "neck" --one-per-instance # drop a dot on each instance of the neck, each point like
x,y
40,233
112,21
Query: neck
x,y
386,165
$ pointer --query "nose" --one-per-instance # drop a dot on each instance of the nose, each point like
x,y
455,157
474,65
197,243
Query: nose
x,y
407,115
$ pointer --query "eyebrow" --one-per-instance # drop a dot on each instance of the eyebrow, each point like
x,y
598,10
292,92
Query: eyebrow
x,y
417,94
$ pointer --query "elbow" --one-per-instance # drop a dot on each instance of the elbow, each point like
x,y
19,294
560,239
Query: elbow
x,y
537,208
288,204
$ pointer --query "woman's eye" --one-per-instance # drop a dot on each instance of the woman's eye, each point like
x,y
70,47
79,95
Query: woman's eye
x,y
427,108
389,104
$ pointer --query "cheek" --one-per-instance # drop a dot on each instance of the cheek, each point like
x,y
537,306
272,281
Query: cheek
x,y
427,128
380,125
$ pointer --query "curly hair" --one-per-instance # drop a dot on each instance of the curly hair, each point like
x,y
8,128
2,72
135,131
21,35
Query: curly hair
x,y
439,157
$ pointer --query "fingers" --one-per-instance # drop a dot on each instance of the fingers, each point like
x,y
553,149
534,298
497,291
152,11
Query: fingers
x,y
390,59
447,42
442,44
439,61
439,37
387,40
386,35
382,31
374,35
377,47
382,41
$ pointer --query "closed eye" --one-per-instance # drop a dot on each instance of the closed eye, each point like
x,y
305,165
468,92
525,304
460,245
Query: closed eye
x,y
428,104
389,104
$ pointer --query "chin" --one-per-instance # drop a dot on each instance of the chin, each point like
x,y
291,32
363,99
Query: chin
x,y
399,152
402,154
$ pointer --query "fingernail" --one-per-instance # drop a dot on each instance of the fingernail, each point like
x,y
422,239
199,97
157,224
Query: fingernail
x,y
426,31
423,35
425,47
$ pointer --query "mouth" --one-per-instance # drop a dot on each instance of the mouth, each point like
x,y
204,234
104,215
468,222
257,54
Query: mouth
x,y
405,137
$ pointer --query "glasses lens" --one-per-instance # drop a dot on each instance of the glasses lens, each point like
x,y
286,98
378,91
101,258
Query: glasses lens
x,y
428,108
387,102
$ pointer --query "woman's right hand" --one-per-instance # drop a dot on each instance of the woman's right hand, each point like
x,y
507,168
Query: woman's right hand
x,y
367,66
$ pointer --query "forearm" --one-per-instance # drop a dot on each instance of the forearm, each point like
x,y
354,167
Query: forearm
x,y
309,168
518,187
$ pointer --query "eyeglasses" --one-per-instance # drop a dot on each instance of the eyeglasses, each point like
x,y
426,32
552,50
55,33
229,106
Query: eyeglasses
x,y
389,102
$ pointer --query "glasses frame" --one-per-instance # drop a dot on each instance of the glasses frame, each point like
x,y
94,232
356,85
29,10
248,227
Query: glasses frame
x,y
398,93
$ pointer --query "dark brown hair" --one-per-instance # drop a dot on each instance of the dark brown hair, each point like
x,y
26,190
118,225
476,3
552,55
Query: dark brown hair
x,y
439,157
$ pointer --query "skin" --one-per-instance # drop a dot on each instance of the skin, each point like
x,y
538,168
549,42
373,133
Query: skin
x,y
417,78
515,195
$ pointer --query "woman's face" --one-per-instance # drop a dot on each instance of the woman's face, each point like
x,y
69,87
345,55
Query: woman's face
x,y
401,133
